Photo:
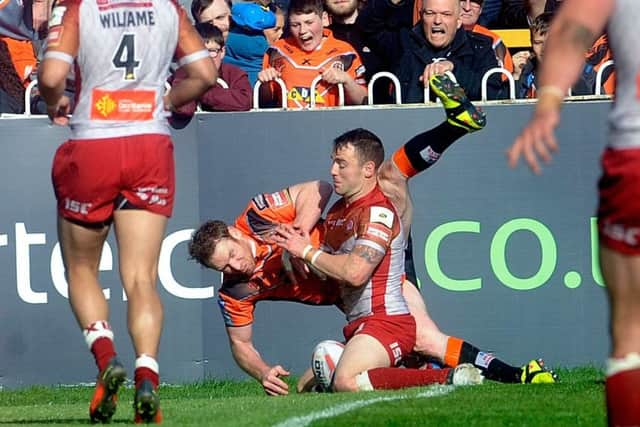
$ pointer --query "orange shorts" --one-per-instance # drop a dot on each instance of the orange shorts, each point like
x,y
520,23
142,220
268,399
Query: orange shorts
x,y
396,333
238,300
91,176
619,206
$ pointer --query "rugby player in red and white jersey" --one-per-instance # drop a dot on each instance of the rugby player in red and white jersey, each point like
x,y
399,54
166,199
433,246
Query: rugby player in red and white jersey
x,y
118,167
573,31
362,250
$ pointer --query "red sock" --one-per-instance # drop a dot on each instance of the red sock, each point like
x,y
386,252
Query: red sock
x,y
396,378
103,351
142,374
623,398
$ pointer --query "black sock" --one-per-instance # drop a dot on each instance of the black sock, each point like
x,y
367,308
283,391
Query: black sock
x,y
492,368
437,139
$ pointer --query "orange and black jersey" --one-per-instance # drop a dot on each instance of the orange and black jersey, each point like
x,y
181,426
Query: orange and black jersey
x,y
298,68
238,296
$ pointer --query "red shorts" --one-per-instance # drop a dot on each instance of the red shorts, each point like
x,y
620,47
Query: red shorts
x,y
619,207
90,175
396,333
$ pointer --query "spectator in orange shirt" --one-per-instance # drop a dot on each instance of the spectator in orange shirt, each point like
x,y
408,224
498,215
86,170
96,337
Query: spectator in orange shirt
x,y
309,51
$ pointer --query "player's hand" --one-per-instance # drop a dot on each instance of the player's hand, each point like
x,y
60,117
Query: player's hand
x,y
434,68
272,384
536,141
292,239
294,267
268,74
58,113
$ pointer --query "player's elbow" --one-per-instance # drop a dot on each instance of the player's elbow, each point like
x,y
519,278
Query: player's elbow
x,y
50,76
355,278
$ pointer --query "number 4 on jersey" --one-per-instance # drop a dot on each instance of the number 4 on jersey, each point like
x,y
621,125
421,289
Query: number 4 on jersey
x,y
125,56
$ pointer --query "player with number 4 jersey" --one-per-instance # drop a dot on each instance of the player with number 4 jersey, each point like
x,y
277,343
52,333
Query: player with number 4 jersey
x,y
118,167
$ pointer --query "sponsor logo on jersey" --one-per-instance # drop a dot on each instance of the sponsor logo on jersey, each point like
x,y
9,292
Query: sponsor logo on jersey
x,y
277,199
54,36
56,16
374,231
260,202
382,215
130,105
304,94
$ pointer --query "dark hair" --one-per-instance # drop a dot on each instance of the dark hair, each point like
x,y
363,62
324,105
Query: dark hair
x,y
197,6
367,145
10,81
204,240
541,24
208,31
303,7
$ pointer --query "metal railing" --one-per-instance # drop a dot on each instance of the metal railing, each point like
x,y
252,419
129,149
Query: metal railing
x,y
256,94
394,80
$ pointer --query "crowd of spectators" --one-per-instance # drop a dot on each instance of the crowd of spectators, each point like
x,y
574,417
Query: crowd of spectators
x,y
337,44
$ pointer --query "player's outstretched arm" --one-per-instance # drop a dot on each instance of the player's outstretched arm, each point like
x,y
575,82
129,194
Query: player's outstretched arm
x,y
248,358
573,31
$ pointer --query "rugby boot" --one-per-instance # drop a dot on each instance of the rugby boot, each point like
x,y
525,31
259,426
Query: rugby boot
x,y
105,396
146,404
535,372
460,111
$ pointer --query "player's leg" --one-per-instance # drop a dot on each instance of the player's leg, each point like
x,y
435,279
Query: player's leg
x,y
424,149
621,273
618,222
371,355
453,351
139,234
85,195
81,250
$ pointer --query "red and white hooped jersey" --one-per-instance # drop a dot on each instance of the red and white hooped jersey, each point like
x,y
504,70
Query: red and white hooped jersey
x,y
371,221
122,50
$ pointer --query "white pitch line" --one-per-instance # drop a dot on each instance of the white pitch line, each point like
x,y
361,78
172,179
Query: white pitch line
x,y
350,406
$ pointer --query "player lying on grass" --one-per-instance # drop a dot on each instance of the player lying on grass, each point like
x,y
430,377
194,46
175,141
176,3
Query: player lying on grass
x,y
254,271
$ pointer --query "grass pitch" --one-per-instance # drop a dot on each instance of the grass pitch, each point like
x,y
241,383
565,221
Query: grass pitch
x,y
577,400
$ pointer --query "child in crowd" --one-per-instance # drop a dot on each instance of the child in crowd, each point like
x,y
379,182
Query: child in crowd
x,y
311,51
235,97
527,64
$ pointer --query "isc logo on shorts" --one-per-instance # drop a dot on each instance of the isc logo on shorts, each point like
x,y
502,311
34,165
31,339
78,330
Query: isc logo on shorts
x,y
396,351
76,206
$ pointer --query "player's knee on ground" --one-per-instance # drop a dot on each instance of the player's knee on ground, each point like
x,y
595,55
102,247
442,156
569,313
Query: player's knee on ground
x,y
342,383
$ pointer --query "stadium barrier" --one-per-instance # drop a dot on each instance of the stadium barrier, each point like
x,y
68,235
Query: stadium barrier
x,y
506,259
370,100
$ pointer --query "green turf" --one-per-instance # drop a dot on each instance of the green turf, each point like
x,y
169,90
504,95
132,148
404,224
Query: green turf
x,y
577,400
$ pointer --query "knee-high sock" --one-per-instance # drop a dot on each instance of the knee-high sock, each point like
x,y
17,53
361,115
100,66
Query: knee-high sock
x,y
99,339
147,369
424,149
459,351
623,390
397,378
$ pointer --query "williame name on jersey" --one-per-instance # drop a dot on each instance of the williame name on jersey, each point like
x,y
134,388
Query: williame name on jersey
x,y
128,18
